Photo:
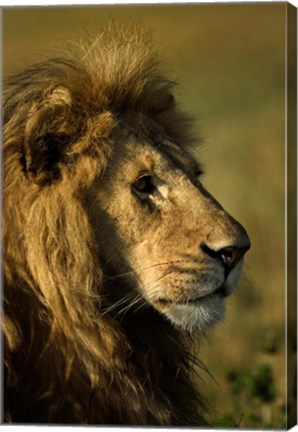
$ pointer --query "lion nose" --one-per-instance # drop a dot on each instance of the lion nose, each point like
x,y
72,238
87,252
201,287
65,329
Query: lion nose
x,y
229,256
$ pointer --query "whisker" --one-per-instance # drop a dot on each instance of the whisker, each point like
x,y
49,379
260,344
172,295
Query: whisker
x,y
163,263
123,311
143,304
156,290
132,272
247,280
128,273
130,304
116,304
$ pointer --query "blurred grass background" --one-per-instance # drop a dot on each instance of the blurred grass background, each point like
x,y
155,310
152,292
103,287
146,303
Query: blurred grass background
x,y
229,59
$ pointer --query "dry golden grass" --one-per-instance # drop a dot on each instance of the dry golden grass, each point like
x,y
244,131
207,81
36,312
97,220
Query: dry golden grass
x,y
230,61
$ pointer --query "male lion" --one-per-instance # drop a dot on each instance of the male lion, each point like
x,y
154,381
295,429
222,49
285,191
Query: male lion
x,y
114,253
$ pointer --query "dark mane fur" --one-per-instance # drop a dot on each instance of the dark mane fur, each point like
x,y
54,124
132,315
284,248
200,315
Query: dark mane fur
x,y
65,360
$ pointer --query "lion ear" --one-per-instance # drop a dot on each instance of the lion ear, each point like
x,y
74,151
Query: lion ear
x,y
48,135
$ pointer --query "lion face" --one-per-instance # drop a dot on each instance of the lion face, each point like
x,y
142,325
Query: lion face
x,y
181,251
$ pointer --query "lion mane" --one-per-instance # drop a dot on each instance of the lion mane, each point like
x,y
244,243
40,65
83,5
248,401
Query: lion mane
x,y
65,359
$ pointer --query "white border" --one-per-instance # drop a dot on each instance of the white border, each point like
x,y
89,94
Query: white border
x,y
286,217
24,3
121,2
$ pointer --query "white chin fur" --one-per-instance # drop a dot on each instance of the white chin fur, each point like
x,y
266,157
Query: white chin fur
x,y
197,317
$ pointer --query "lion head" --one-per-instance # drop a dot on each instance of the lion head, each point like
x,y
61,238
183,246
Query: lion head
x,y
105,215
164,233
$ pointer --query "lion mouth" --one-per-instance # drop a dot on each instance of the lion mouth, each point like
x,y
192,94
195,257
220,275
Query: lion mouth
x,y
222,291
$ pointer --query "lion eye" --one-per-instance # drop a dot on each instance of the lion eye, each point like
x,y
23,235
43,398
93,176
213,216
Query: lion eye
x,y
144,185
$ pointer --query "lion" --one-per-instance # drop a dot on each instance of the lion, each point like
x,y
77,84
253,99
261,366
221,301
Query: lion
x,y
115,255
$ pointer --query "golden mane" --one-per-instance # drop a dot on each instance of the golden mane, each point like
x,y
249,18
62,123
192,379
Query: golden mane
x,y
65,360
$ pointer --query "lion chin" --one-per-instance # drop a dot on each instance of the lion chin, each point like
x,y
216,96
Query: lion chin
x,y
203,312
198,317
115,254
